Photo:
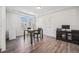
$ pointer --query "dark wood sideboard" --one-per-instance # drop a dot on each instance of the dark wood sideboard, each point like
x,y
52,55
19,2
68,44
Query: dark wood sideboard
x,y
68,36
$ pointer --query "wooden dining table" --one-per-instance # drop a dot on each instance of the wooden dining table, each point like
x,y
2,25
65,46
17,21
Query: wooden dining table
x,y
30,31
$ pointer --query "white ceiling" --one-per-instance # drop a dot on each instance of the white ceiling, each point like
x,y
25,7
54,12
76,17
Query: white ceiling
x,y
32,9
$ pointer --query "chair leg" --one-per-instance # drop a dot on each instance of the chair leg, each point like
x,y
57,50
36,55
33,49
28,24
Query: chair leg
x,y
37,38
0,50
34,38
41,36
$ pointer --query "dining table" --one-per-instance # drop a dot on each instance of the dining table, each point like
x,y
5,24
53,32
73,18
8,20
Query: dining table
x,y
30,31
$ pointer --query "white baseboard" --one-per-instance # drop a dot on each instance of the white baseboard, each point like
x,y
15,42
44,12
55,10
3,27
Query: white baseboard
x,y
50,36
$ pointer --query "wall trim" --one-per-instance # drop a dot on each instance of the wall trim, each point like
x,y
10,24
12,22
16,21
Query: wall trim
x,y
63,9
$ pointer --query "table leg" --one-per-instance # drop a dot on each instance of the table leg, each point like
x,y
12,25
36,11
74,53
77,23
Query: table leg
x,y
24,34
31,37
42,34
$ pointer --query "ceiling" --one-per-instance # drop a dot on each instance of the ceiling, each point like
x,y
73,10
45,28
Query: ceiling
x,y
32,9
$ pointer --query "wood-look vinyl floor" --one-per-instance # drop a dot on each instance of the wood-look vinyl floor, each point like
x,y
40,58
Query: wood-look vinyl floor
x,y
47,45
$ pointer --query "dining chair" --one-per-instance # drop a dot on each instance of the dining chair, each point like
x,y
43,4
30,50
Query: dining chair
x,y
38,34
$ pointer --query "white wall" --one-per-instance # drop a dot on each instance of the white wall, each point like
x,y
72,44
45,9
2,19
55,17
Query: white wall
x,y
14,24
77,15
11,25
2,28
52,21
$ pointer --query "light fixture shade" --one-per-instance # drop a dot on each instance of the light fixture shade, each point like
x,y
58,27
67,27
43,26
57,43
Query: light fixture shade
x,y
38,7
